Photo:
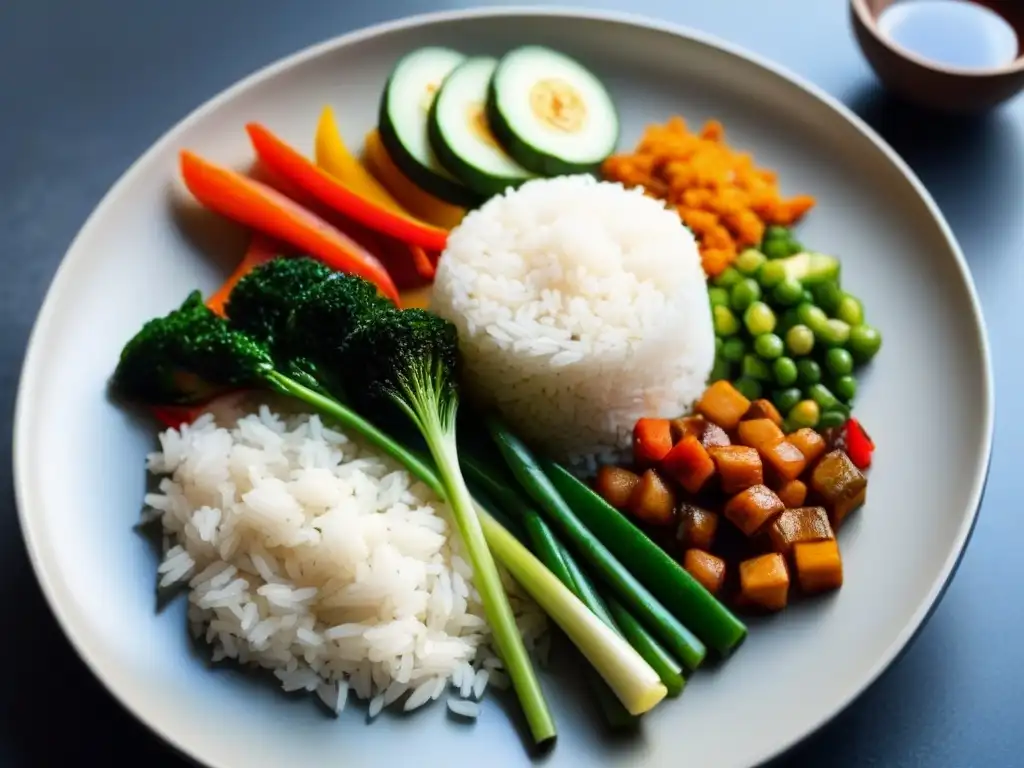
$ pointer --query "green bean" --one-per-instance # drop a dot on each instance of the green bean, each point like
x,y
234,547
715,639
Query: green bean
x,y
784,371
769,346
664,663
759,318
800,340
725,321
743,294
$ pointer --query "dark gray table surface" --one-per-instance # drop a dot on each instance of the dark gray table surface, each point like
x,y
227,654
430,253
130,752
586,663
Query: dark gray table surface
x,y
85,87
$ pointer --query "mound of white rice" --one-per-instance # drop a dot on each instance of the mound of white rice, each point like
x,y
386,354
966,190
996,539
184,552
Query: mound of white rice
x,y
581,306
312,556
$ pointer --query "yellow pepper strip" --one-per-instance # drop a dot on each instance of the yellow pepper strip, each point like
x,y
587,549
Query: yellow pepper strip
x,y
420,204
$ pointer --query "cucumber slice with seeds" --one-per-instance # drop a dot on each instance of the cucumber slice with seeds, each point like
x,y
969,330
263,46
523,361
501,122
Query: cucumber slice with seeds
x,y
404,111
460,134
552,115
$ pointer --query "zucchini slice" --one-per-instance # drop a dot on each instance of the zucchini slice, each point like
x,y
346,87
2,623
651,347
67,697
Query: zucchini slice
x,y
552,115
461,137
404,110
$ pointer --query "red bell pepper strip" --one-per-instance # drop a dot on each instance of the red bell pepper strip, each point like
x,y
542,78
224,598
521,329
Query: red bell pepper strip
x,y
304,173
859,445
261,250
256,205
173,416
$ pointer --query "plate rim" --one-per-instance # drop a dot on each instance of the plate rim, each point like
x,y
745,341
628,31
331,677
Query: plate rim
x,y
58,286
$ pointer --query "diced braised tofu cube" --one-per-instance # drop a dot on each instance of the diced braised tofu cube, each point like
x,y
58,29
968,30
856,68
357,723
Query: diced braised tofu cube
x,y
810,443
839,483
687,425
615,485
697,527
714,437
705,568
764,581
653,501
793,493
799,526
739,467
763,409
689,463
723,404
785,460
819,567
751,509
760,434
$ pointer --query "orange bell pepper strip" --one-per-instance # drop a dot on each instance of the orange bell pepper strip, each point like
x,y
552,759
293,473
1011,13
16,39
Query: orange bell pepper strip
x,y
261,250
299,170
263,208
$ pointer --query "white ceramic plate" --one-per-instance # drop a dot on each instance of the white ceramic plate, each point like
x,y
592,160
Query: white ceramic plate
x,y
928,402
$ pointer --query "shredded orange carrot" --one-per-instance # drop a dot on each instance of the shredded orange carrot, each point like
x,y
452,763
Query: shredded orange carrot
x,y
719,193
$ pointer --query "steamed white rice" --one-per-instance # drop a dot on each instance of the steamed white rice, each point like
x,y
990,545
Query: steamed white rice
x,y
581,306
309,554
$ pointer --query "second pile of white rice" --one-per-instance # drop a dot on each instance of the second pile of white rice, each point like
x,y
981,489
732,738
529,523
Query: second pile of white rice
x,y
581,306
309,554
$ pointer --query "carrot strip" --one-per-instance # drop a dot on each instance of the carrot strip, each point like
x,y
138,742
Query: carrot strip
x,y
249,202
302,172
261,250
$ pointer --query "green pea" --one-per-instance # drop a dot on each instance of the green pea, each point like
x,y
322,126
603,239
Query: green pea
x,y
719,345
749,388
725,321
827,295
808,372
865,341
785,399
839,362
720,370
728,277
823,396
759,318
788,427
806,413
776,249
749,262
800,340
831,419
743,294
769,346
754,367
807,296
850,310
776,232
788,292
812,316
786,321
733,349
719,297
834,333
771,274
845,388
784,371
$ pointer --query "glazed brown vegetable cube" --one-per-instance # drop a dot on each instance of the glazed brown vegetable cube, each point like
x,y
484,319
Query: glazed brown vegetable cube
x,y
739,466
705,568
840,484
714,437
749,510
688,462
652,440
785,460
723,404
793,493
810,443
764,581
687,425
653,500
819,566
697,527
802,525
760,434
615,485
763,409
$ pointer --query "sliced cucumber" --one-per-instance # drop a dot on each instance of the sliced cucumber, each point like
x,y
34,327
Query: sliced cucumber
x,y
460,134
550,113
404,110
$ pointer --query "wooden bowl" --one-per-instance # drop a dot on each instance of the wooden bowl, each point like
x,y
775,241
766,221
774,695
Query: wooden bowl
x,y
930,84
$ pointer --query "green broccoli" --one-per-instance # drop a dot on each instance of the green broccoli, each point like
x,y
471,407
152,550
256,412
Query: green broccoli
x,y
407,361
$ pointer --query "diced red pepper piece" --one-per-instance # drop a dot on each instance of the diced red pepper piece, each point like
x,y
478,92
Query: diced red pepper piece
x,y
859,445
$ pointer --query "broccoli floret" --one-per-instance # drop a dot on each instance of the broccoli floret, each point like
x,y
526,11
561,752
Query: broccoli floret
x,y
188,356
262,301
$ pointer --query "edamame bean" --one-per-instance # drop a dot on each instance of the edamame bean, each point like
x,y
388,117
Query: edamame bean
x,y
769,346
839,362
865,341
743,294
784,371
759,318
808,372
725,321
800,340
